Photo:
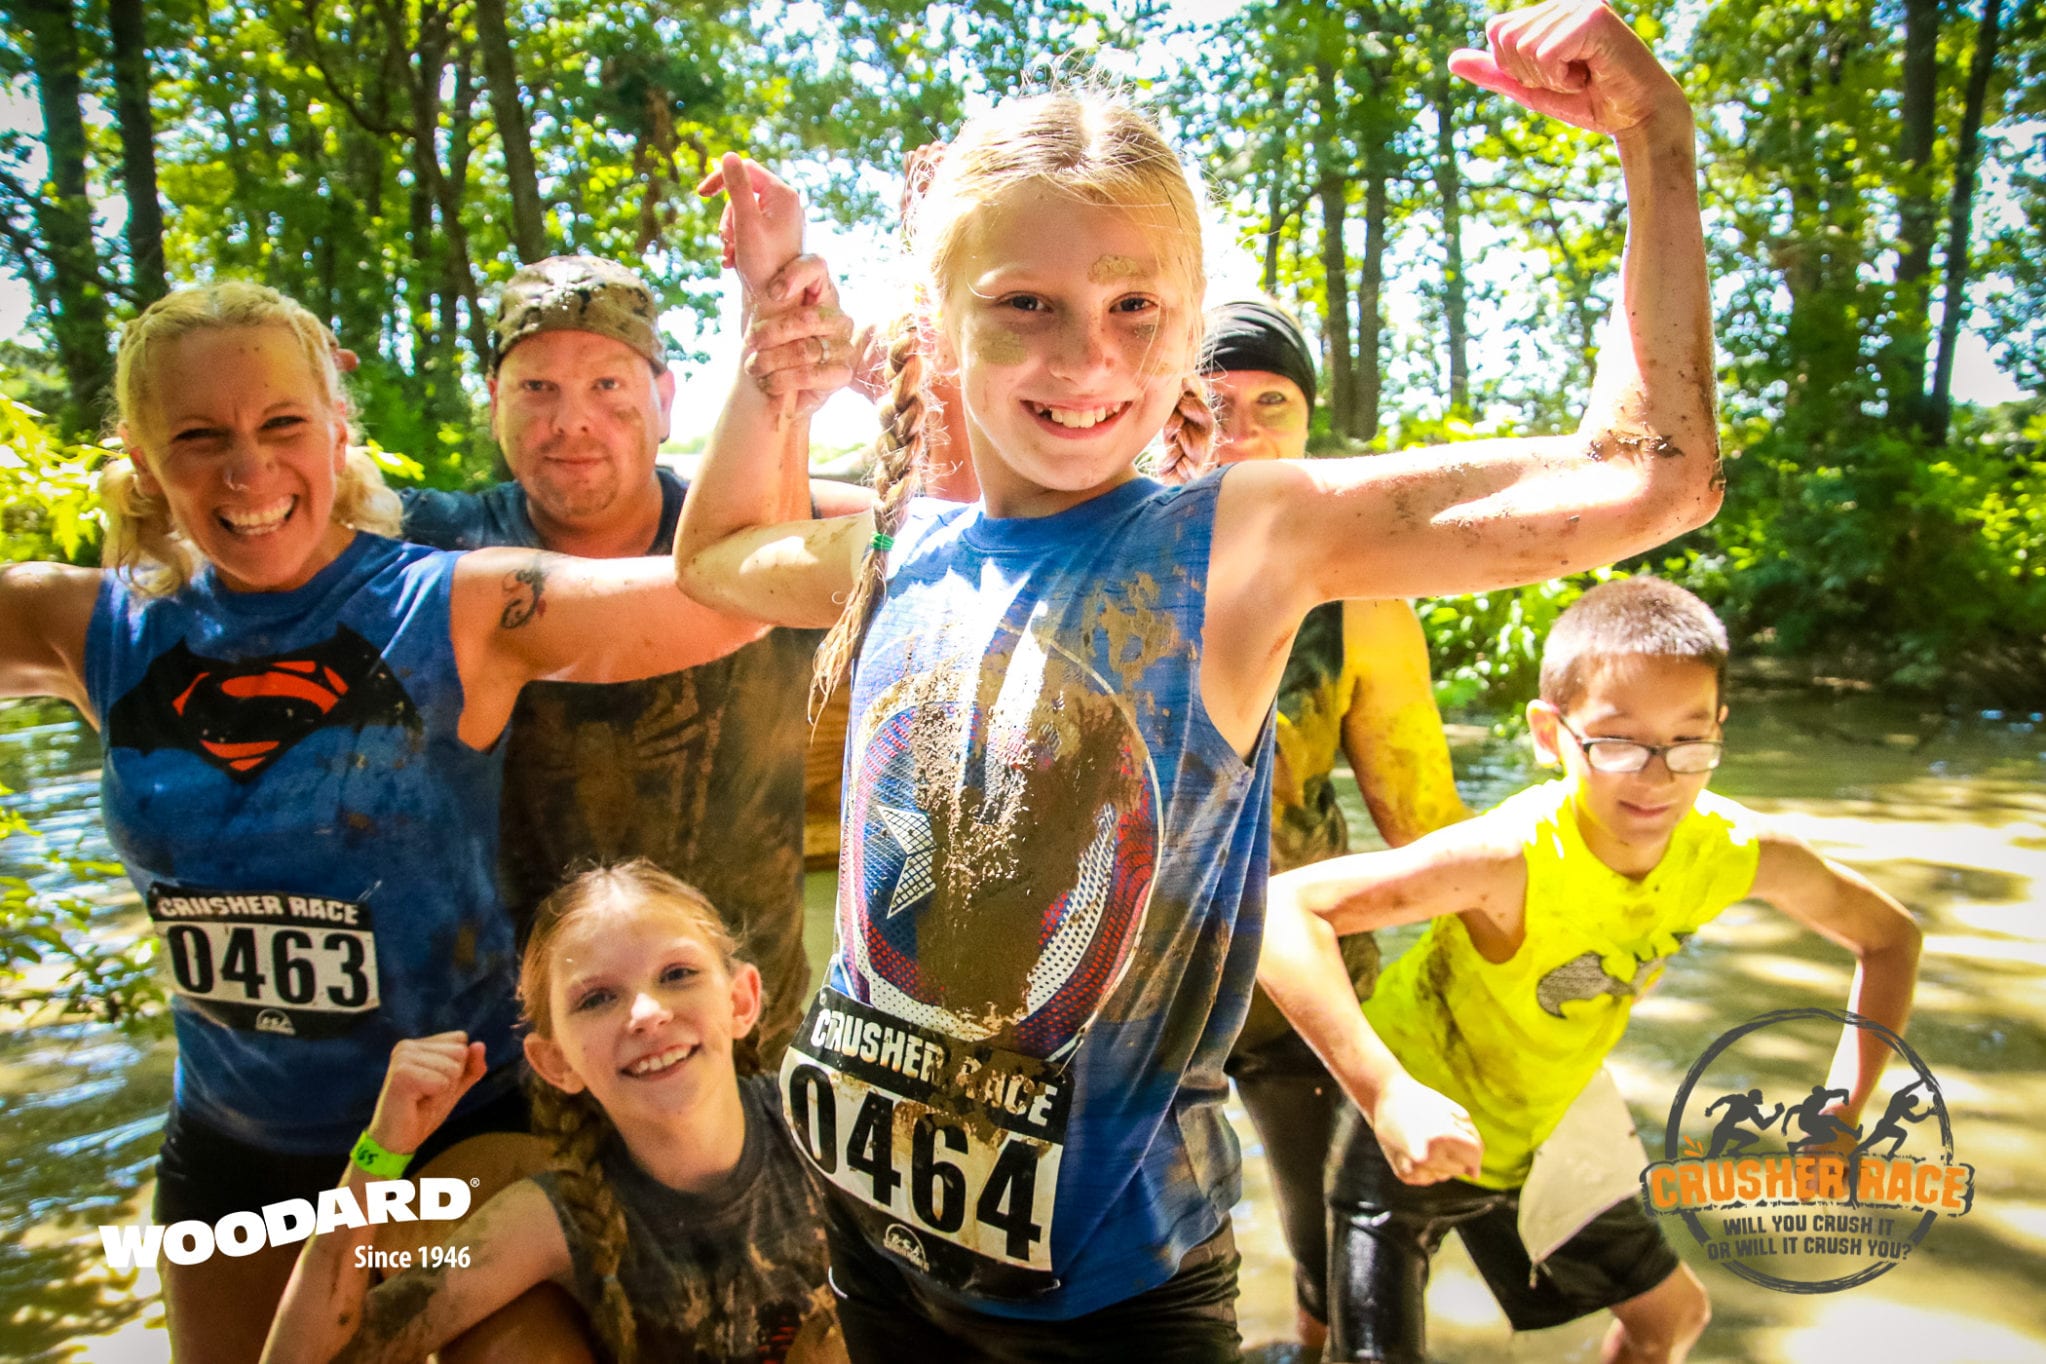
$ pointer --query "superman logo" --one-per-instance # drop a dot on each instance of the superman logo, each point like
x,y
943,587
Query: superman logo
x,y
241,716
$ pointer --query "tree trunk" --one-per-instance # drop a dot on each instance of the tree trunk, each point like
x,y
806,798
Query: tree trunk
x,y
1369,375
1455,292
1822,258
138,148
1916,218
501,74
1334,189
1954,297
64,213
1275,202
427,366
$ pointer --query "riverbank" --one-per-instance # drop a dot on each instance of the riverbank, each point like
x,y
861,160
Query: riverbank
x,y
1945,810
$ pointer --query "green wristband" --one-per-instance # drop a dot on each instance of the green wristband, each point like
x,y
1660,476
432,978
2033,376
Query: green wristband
x,y
373,1159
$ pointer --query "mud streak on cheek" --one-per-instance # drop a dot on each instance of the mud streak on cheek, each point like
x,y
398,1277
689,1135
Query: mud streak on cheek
x,y
998,346
1157,358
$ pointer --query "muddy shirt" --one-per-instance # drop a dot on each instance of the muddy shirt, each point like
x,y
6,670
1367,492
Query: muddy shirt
x,y
1515,1042
1050,898
699,771
729,1277
1307,821
317,846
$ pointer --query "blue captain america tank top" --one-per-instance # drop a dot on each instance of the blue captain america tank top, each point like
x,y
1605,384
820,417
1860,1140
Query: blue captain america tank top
x,y
1050,900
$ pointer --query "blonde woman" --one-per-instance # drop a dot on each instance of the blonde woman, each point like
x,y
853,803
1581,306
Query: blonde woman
x,y
300,718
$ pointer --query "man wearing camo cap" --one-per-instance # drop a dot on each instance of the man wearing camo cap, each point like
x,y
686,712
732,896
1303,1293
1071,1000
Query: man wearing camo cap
x,y
699,771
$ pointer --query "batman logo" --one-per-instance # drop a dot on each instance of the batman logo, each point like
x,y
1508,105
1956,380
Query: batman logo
x,y
242,716
1580,978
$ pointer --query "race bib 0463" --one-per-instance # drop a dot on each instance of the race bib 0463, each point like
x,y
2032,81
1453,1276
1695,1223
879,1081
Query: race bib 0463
x,y
269,961
949,1149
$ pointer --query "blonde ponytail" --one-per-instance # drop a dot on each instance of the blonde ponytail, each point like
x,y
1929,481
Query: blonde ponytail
x,y
899,454
1189,434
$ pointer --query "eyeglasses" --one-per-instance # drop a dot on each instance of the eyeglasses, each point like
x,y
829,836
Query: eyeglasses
x,y
1621,756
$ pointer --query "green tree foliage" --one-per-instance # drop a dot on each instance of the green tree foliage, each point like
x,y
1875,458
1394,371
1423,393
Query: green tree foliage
x,y
1857,523
1871,170
391,164
885,77
53,947
1486,649
1837,144
49,488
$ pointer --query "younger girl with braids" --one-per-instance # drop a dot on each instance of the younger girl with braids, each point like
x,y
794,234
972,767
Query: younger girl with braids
x,y
1056,815
675,1212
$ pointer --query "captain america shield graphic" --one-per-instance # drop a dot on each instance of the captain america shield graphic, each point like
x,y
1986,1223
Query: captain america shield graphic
x,y
1004,821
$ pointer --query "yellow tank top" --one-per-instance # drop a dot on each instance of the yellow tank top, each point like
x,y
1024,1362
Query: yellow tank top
x,y
1515,1042
1307,822
1314,696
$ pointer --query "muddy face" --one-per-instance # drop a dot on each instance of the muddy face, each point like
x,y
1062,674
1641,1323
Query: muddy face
x,y
1112,269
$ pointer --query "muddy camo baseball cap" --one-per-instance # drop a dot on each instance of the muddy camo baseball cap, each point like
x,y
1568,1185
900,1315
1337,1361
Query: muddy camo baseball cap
x,y
578,294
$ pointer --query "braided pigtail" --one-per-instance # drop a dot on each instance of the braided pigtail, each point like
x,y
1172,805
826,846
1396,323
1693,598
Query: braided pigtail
x,y
576,1128
899,454
1189,434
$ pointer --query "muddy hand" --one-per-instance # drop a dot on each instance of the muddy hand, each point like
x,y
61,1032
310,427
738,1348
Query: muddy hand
x,y
1426,1137
870,362
427,1078
1575,60
804,353
762,225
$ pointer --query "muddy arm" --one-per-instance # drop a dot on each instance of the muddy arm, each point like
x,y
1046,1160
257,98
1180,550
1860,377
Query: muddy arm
x,y
1392,732
513,1243
1425,1136
1842,906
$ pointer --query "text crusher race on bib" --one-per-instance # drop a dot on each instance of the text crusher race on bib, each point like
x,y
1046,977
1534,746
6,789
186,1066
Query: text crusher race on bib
x,y
269,961
950,1148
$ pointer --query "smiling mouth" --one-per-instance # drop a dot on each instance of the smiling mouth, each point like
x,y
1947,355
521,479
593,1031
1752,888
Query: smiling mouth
x,y
1078,418
659,1062
256,521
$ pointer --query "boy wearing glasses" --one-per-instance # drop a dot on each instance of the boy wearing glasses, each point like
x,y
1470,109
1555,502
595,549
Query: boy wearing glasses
x,y
1552,913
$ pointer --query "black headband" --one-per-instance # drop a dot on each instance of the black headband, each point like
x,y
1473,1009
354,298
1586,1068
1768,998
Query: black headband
x,y
1255,334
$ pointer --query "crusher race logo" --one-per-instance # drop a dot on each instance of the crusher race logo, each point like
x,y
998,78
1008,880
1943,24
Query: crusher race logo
x,y
1782,1191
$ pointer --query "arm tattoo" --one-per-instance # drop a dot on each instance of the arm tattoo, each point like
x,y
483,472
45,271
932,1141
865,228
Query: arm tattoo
x,y
523,592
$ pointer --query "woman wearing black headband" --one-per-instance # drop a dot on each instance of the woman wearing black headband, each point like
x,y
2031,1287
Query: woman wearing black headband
x,y
1357,681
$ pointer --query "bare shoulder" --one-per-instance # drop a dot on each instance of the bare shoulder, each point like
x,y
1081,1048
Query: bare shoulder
x,y
1255,492
1785,865
1371,619
1490,846
50,587
45,610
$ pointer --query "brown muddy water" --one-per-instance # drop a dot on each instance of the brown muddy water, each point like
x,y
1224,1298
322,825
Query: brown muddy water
x,y
1947,811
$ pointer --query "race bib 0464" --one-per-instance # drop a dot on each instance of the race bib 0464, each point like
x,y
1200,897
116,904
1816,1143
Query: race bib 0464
x,y
949,1149
269,961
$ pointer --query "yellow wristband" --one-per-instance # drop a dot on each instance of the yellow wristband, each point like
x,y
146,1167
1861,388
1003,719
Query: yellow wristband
x,y
373,1159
